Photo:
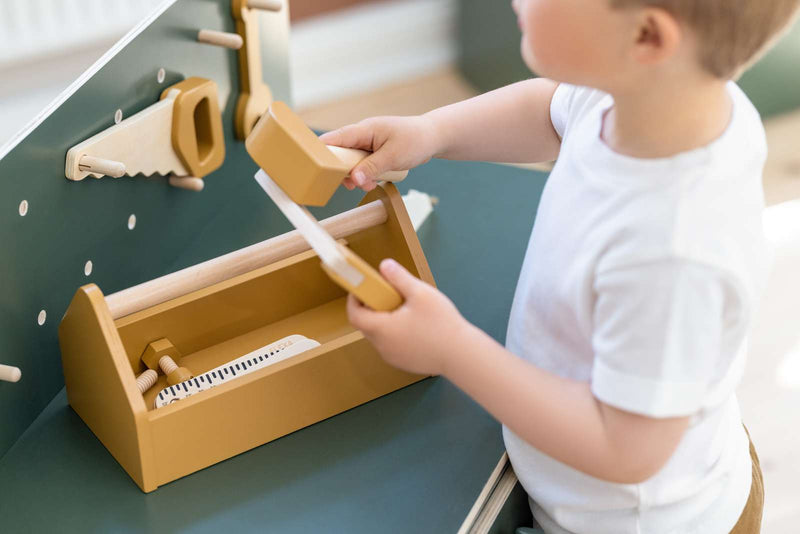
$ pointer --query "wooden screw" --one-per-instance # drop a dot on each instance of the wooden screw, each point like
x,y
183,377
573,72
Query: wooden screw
x,y
213,37
146,380
9,373
265,5
175,374
101,166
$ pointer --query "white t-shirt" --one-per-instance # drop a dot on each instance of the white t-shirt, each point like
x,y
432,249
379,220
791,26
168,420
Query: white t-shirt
x,y
641,277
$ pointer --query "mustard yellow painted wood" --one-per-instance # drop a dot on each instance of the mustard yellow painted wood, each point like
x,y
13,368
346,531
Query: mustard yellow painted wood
x,y
197,135
216,324
158,348
373,290
294,157
161,354
208,273
397,235
101,385
255,96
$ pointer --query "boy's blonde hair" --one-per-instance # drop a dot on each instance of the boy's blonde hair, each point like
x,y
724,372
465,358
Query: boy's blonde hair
x,y
732,33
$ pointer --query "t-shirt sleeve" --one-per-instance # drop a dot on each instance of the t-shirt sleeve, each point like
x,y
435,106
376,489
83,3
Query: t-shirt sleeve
x,y
559,107
657,337
567,102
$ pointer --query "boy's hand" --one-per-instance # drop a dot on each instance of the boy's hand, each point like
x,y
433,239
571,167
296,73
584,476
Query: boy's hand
x,y
396,143
417,337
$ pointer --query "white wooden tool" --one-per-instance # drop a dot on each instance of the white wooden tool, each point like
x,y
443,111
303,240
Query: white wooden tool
x,y
419,205
146,380
9,373
161,139
321,241
258,359
341,264
233,41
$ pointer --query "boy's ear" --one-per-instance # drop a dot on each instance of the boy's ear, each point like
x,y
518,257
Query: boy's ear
x,y
658,36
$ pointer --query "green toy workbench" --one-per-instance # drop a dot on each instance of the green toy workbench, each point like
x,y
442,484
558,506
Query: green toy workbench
x,y
414,460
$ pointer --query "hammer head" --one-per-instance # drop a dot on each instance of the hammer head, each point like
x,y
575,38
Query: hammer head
x,y
294,157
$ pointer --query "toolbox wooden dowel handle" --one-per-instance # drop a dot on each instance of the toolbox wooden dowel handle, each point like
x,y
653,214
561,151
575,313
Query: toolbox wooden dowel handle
x,y
354,156
242,261
9,373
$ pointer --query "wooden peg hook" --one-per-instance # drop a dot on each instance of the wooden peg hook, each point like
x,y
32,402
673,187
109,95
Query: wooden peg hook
x,y
10,373
225,39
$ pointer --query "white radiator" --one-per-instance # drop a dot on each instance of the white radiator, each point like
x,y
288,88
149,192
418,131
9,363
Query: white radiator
x,y
31,29
46,44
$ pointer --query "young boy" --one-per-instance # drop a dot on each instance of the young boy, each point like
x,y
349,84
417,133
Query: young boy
x,y
626,341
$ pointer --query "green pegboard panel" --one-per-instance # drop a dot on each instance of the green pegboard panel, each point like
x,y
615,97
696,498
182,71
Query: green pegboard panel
x,y
773,84
69,223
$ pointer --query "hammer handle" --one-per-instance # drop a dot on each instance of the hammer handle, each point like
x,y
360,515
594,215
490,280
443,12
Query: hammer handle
x,y
354,156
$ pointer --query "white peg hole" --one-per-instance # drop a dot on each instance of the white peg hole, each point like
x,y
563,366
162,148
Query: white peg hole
x,y
161,75
87,269
23,208
42,318
132,222
118,116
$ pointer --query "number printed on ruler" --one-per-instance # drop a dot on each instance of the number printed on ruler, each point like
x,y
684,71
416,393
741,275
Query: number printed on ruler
x,y
253,361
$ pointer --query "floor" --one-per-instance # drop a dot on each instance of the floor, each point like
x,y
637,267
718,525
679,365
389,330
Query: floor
x,y
770,390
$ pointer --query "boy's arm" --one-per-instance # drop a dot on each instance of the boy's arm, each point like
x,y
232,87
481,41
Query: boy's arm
x,y
561,417
511,124
558,416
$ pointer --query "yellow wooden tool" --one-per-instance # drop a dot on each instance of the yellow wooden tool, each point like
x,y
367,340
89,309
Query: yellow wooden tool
x,y
303,166
254,95
344,266
180,136
215,313
297,168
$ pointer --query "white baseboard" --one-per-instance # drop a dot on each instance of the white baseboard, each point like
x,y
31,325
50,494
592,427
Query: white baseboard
x,y
365,47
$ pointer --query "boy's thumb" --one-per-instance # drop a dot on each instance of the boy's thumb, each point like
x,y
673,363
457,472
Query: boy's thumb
x,y
370,168
397,275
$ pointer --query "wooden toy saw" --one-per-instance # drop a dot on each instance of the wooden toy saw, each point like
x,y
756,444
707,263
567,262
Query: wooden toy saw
x,y
297,168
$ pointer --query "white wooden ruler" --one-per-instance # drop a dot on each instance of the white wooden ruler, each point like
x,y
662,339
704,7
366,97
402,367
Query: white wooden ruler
x,y
253,361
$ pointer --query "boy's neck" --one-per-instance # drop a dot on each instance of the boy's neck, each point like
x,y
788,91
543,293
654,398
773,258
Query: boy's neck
x,y
666,120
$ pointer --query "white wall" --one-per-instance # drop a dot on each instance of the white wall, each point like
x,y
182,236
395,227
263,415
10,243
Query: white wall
x,y
46,44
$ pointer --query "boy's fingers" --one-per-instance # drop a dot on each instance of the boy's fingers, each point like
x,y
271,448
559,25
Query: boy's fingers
x,y
331,138
397,275
371,167
360,316
351,136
